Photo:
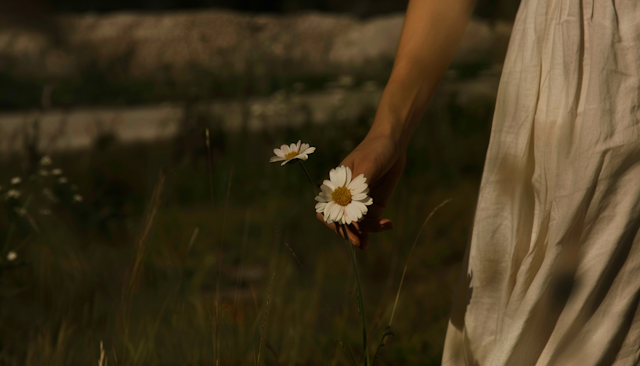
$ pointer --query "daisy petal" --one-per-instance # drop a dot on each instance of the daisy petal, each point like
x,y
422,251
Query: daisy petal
x,y
357,181
298,146
348,178
278,152
285,149
362,188
329,184
327,209
284,162
304,147
347,217
333,176
326,189
293,147
338,213
360,206
320,206
342,176
276,158
308,150
322,197
368,201
353,212
359,196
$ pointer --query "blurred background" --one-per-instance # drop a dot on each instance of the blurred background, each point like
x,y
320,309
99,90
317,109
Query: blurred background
x,y
131,237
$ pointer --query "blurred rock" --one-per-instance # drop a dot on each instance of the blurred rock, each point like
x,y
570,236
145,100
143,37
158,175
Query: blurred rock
x,y
180,48
83,127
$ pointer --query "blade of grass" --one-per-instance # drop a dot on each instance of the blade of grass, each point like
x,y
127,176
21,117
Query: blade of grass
x,y
404,272
273,352
349,351
359,297
196,231
219,265
130,287
243,242
264,322
406,264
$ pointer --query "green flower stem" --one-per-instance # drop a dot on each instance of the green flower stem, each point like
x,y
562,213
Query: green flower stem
x,y
359,299
315,189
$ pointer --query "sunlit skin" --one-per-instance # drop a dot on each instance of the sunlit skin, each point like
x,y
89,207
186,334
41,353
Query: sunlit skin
x,y
431,34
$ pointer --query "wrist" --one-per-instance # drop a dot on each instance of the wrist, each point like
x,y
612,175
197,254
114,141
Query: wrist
x,y
391,128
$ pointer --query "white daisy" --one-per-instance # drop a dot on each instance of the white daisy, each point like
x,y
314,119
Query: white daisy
x,y
56,171
294,151
16,180
46,160
11,256
77,198
343,200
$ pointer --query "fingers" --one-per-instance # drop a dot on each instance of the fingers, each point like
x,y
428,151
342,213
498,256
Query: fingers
x,y
375,226
358,232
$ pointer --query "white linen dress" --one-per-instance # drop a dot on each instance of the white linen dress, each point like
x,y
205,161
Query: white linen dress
x,y
552,271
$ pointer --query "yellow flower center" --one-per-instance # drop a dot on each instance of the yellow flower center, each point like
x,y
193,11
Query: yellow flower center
x,y
291,155
341,196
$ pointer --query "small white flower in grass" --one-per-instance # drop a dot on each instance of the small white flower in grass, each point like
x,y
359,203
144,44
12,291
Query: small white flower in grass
x,y
46,160
13,193
56,171
342,199
294,151
77,198
16,180
11,256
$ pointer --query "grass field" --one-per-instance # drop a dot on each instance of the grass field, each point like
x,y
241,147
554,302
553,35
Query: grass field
x,y
171,258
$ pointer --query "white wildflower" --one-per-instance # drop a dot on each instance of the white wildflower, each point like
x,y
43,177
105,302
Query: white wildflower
x,y
11,256
77,198
342,199
13,193
56,171
46,160
16,180
294,151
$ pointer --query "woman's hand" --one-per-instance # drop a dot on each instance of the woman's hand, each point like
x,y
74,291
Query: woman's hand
x,y
431,34
382,161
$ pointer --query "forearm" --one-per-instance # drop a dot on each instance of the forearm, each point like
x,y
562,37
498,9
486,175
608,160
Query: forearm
x,y
431,34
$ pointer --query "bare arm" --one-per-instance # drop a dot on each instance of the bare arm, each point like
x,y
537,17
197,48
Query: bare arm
x,y
431,34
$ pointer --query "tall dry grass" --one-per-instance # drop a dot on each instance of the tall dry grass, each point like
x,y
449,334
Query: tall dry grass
x,y
178,268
